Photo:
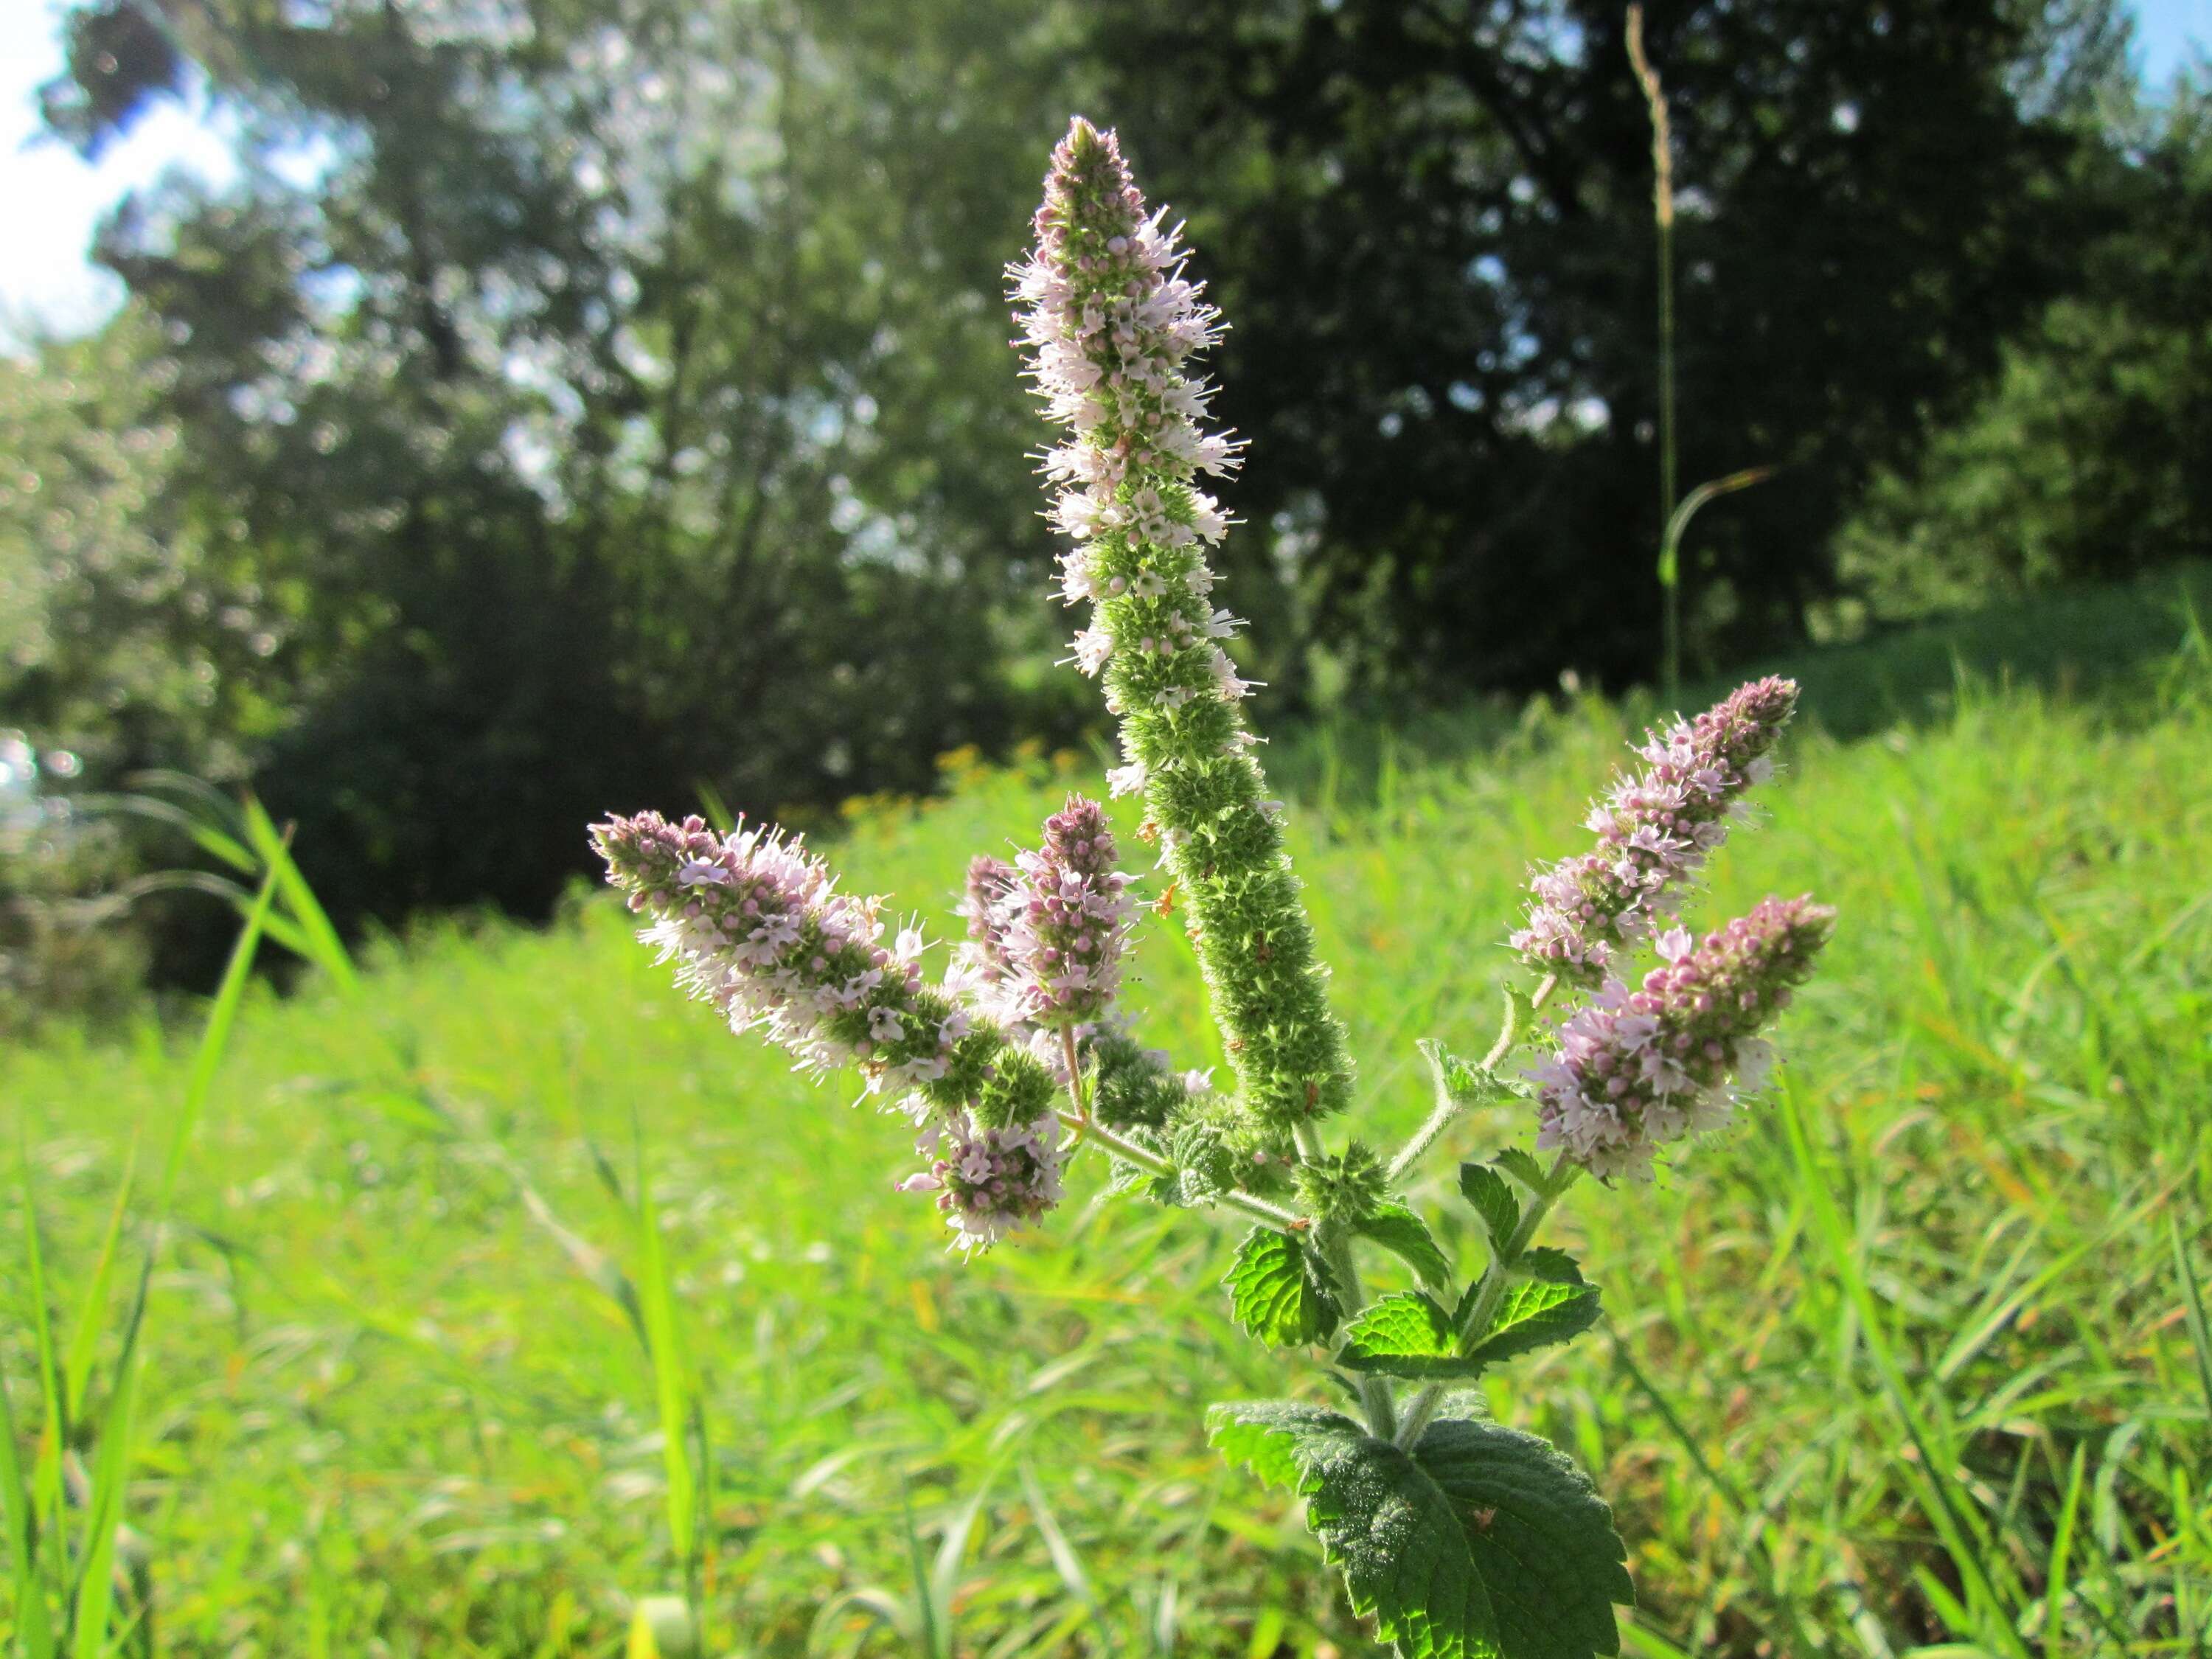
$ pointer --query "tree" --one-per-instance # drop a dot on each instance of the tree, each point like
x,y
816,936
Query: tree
x,y
2086,459
1432,222
617,391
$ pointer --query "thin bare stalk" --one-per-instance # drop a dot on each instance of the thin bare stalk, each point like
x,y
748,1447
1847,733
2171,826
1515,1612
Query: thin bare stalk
x,y
1663,214
1449,1106
1086,1127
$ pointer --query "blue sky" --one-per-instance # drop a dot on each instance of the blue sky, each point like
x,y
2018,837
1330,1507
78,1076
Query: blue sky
x,y
54,200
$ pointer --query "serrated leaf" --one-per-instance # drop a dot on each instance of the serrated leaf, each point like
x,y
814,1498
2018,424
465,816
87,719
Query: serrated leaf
x,y
1276,1290
1540,1537
1523,1167
1406,1335
1466,1082
1405,1235
1533,1313
1493,1201
1396,1534
1546,1263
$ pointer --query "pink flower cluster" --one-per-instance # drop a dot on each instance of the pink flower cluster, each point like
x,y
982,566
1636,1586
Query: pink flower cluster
x,y
1063,922
1112,319
756,928
1654,831
1131,1084
1638,1069
989,1182
982,960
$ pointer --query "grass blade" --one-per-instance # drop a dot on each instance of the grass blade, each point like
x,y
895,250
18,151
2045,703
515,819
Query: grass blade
x,y
1064,1561
943,1584
33,1623
2062,1544
46,1463
91,1313
1947,1509
95,1589
2200,1336
664,1353
925,1636
215,1037
322,944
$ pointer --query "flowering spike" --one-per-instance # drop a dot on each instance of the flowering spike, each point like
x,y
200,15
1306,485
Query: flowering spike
x,y
1655,831
756,928
990,1181
989,881
1063,922
1637,1069
1111,321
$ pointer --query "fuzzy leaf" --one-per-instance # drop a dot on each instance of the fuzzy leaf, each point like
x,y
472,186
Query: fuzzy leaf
x,y
1523,1167
1406,1334
1463,1080
1493,1201
1404,1234
1278,1292
1400,1540
1547,1263
1539,1536
1533,1313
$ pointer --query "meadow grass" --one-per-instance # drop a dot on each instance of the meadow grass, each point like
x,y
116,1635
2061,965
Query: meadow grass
x,y
1908,1363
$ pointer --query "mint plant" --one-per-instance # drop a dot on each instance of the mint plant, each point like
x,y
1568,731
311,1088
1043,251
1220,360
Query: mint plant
x,y
1459,1536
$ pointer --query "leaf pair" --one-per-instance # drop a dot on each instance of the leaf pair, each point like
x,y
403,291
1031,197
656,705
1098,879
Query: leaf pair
x,y
1282,1291
1494,1199
1481,1543
1409,1334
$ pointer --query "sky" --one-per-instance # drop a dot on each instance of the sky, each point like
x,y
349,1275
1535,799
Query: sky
x,y
54,200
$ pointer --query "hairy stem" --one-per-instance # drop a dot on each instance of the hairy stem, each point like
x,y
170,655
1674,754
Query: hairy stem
x,y
1488,1294
1086,1127
1449,1106
1335,1245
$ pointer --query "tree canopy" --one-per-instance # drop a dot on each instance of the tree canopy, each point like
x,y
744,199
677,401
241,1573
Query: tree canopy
x,y
574,403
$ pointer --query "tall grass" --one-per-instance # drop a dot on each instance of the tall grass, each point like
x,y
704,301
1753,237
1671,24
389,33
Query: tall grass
x,y
64,1522
1916,1362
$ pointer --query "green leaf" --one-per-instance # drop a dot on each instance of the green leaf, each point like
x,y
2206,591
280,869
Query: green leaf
x,y
1493,1201
1539,1534
1395,1532
1406,1335
1533,1313
1547,1263
1404,1234
1277,1291
1463,1081
1523,1167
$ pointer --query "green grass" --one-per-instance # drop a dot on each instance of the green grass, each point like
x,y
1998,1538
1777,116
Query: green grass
x,y
1915,1360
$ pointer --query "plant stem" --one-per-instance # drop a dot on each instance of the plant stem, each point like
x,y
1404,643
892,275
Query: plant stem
x,y
1087,1128
1663,214
1449,1106
1488,1294
1335,1245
